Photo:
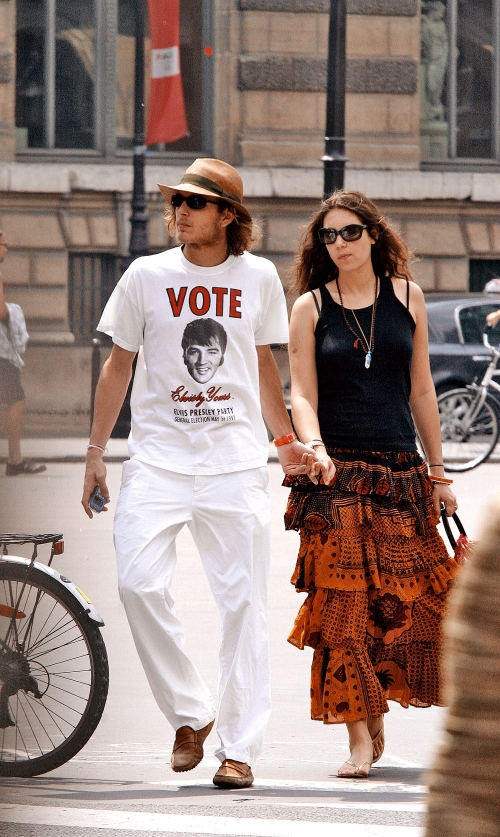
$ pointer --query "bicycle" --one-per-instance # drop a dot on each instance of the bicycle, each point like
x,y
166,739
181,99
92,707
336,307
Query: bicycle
x,y
469,418
53,662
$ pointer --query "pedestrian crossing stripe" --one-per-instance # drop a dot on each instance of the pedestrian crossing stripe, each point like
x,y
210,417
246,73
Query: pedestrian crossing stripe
x,y
188,824
368,785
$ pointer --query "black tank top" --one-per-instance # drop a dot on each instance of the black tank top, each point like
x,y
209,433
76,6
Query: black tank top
x,y
365,409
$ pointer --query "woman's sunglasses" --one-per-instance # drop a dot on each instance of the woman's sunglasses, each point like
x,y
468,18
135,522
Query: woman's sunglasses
x,y
352,232
192,201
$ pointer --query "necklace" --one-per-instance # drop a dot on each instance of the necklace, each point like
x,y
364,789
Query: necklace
x,y
368,345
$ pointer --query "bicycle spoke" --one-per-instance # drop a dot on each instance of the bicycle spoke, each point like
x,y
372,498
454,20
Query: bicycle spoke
x,y
52,715
31,729
33,643
29,628
60,703
51,649
70,679
35,710
67,692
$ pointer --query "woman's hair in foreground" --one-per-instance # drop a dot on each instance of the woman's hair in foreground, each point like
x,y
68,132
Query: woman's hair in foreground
x,y
313,265
242,233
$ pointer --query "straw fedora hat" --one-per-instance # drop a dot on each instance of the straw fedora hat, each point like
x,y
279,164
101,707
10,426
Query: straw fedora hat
x,y
214,178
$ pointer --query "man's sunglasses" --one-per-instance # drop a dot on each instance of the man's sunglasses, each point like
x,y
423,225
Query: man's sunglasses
x,y
352,232
192,201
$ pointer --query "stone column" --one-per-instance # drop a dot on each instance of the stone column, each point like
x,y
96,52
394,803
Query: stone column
x,y
7,79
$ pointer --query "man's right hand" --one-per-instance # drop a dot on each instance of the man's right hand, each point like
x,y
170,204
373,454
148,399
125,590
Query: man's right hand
x,y
95,474
493,318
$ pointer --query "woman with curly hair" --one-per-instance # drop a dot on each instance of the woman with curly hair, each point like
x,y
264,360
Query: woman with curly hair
x,y
375,569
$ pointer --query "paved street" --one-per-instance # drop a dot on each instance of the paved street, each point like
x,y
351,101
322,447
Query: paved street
x,y
121,783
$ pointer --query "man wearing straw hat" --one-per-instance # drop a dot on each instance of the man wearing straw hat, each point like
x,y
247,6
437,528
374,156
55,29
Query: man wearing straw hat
x,y
198,453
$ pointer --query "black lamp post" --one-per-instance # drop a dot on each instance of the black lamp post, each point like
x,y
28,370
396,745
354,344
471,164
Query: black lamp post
x,y
139,219
138,245
334,158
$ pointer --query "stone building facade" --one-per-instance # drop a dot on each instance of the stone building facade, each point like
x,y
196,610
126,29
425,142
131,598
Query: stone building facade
x,y
418,141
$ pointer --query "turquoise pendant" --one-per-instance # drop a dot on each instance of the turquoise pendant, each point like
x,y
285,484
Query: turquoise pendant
x,y
368,359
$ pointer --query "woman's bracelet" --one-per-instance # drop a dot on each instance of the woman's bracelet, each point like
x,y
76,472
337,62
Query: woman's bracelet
x,y
314,443
436,465
285,440
441,480
98,447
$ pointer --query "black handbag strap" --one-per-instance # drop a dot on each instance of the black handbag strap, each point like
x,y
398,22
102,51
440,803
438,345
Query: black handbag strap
x,y
447,527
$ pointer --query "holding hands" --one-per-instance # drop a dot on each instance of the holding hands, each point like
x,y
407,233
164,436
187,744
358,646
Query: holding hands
x,y
325,465
296,458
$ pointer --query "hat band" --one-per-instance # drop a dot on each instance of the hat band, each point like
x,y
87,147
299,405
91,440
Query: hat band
x,y
205,183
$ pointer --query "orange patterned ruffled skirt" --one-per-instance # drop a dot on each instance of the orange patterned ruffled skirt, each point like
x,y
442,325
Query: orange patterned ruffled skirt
x,y
377,574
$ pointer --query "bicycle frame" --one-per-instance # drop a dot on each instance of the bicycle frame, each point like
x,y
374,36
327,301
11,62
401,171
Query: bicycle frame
x,y
492,366
486,383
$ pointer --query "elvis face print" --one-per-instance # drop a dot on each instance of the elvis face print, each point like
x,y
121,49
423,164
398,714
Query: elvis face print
x,y
203,346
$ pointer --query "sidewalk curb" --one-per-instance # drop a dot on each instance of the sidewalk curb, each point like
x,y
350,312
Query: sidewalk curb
x,y
72,459
69,458
75,458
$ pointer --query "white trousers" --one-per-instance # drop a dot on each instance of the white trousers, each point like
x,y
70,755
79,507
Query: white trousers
x,y
229,518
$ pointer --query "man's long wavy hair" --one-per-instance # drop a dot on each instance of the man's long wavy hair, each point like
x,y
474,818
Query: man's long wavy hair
x,y
313,265
242,233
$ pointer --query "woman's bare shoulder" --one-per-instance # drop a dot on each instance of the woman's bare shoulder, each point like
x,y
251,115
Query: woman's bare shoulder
x,y
305,303
402,287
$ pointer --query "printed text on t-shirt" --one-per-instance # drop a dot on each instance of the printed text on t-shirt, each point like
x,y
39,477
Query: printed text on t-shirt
x,y
199,301
212,394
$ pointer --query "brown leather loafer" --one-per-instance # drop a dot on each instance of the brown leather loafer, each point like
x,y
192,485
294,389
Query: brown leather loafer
x,y
188,747
233,774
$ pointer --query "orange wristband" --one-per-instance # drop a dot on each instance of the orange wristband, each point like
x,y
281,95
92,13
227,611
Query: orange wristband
x,y
285,440
441,480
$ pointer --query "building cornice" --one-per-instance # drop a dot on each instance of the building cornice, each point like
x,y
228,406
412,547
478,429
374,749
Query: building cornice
x,y
259,182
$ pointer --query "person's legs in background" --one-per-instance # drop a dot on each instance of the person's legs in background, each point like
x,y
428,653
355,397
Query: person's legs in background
x,y
14,428
12,397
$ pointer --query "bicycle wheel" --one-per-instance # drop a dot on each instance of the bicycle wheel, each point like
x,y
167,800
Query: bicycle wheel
x,y
466,443
53,672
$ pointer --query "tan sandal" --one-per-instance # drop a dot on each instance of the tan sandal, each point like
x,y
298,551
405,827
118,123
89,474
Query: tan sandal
x,y
357,768
375,741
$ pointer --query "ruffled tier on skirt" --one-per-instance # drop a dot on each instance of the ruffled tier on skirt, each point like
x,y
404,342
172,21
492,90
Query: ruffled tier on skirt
x,y
377,574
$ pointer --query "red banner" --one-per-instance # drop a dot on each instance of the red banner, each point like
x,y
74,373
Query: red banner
x,y
166,117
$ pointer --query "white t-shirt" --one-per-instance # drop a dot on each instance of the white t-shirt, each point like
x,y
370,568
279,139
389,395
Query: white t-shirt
x,y
195,400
